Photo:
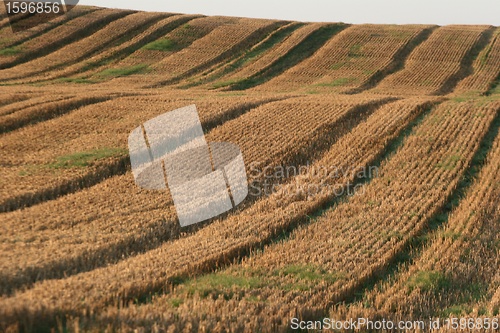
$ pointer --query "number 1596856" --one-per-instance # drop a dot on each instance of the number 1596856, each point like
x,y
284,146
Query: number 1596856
x,y
22,7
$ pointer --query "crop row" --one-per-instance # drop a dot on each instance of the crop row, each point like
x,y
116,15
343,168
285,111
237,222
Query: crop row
x,y
293,127
82,210
349,58
27,102
116,53
326,261
9,98
45,111
10,39
218,242
74,150
167,45
427,70
259,64
176,40
62,35
455,273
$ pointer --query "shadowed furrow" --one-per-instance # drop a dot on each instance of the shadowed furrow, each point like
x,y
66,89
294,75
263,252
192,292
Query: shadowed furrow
x,y
46,111
131,237
12,40
350,59
329,260
438,64
115,54
217,46
116,31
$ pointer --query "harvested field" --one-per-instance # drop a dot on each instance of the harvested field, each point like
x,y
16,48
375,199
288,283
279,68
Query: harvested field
x,y
349,59
372,158
217,46
448,66
60,36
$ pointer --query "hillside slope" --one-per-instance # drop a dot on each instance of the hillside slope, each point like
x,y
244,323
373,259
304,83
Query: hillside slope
x,y
407,115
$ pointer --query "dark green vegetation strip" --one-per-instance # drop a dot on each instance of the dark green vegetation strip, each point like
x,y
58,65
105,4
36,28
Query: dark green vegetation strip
x,y
86,158
296,55
494,87
10,51
164,44
221,283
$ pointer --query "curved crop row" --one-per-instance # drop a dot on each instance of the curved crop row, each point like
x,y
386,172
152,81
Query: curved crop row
x,y
10,41
241,58
46,111
289,128
349,59
18,103
61,36
458,268
427,71
486,69
169,44
79,238
96,63
81,49
255,65
217,243
326,261
9,98
44,222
